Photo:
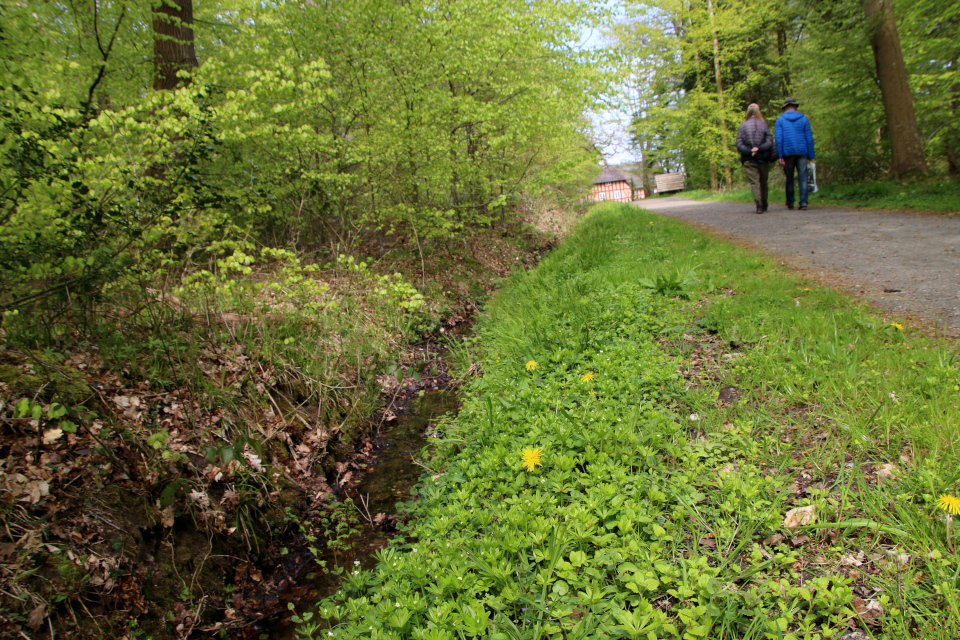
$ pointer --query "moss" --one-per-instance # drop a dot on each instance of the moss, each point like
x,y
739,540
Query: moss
x,y
49,382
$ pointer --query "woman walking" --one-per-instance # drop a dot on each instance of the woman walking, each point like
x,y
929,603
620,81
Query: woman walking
x,y
757,151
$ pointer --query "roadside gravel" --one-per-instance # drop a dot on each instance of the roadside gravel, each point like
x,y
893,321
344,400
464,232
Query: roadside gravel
x,y
906,264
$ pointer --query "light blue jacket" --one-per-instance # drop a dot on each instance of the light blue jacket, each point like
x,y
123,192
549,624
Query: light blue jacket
x,y
793,134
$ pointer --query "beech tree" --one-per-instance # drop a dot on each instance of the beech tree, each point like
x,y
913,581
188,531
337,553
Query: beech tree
x,y
173,48
881,94
905,143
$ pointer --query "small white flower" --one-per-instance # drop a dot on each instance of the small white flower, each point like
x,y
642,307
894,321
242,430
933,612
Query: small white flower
x,y
330,633
459,577
356,562
397,605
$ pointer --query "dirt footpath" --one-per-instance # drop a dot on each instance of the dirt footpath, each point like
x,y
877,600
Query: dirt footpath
x,y
907,264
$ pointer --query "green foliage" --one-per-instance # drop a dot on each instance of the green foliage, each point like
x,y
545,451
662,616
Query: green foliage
x,y
817,51
679,121
430,120
645,520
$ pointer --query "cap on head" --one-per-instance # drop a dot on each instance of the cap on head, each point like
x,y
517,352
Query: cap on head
x,y
790,102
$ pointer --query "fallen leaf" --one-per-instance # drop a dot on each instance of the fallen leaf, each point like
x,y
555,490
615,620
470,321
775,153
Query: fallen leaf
x,y
854,560
37,616
895,556
35,490
886,472
800,516
774,540
127,402
254,460
869,612
52,435
166,516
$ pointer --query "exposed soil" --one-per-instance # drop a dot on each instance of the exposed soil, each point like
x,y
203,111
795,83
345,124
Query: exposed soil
x,y
906,264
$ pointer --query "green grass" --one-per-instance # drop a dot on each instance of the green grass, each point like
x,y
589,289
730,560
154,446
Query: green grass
x,y
654,511
941,196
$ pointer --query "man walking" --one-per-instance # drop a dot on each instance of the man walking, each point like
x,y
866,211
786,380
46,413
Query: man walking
x,y
795,146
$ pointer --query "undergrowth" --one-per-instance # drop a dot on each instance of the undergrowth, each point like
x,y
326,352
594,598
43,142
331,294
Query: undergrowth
x,y
675,438
207,414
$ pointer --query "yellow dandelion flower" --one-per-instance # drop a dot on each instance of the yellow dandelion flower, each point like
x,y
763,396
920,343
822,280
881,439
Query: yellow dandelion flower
x,y
806,288
588,376
949,503
897,326
531,365
531,458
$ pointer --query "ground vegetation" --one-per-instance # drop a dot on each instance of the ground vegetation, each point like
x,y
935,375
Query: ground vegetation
x,y
221,224
676,438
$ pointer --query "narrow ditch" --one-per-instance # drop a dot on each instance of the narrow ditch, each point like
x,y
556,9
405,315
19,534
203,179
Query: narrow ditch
x,y
388,480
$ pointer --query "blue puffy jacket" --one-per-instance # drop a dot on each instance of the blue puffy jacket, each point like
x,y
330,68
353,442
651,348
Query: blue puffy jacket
x,y
793,134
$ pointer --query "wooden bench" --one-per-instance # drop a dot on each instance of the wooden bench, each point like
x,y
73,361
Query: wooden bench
x,y
668,182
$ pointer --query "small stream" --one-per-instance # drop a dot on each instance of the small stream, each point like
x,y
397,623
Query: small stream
x,y
393,474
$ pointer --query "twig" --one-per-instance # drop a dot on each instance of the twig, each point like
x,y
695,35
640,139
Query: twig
x,y
422,465
105,521
366,508
196,617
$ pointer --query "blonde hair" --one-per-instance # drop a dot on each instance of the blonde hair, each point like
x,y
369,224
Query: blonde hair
x,y
753,111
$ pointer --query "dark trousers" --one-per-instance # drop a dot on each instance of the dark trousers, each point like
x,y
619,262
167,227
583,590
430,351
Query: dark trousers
x,y
800,162
757,173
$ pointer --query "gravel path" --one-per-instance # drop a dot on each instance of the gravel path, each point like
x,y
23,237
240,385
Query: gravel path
x,y
906,264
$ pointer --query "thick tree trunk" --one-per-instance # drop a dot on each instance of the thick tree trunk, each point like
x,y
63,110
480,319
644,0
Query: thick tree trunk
x,y
172,42
897,101
723,125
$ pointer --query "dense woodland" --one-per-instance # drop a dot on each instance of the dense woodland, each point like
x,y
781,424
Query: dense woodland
x,y
223,224
692,67
170,138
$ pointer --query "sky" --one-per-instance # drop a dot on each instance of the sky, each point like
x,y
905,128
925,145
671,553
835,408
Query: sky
x,y
610,125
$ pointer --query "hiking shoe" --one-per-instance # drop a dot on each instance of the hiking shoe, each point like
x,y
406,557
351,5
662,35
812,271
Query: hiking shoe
x,y
803,207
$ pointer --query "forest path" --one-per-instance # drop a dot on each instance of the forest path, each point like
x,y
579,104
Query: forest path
x,y
907,264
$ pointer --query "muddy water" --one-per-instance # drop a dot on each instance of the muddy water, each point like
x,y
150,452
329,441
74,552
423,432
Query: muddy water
x,y
392,477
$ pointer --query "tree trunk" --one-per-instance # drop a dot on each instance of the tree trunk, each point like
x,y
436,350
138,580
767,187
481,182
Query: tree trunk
x,y
172,42
723,125
897,101
782,56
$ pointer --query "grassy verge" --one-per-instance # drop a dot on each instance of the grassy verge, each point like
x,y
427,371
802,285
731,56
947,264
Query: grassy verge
x,y
943,196
714,448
